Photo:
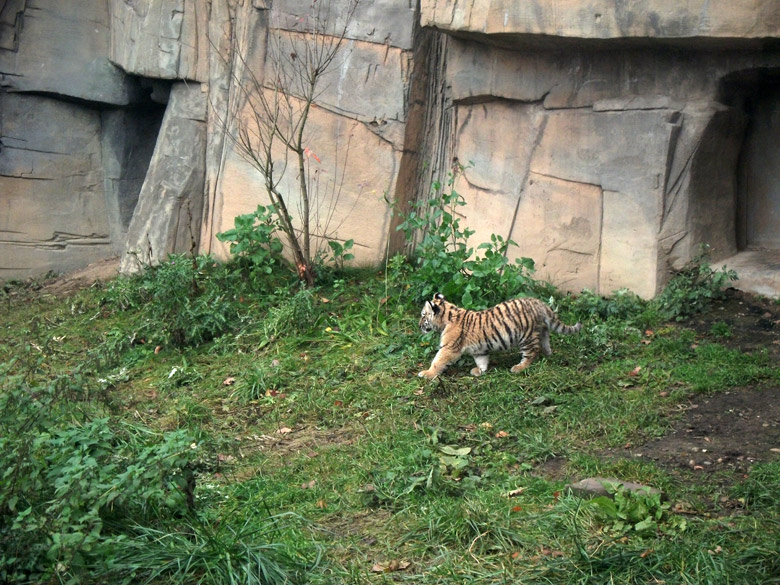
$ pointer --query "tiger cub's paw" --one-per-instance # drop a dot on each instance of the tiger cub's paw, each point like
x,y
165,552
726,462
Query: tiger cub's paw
x,y
428,374
476,372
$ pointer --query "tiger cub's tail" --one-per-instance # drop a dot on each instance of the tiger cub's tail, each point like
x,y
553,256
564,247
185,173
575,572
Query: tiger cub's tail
x,y
558,326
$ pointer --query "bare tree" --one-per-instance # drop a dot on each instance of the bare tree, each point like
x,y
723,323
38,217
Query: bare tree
x,y
269,121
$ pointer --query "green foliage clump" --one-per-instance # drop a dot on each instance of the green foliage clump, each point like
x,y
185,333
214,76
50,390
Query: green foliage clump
x,y
693,288
69,481
688,292
639,512
185,301
443,261
253,242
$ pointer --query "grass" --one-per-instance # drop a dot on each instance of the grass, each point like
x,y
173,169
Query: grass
x,y
320,456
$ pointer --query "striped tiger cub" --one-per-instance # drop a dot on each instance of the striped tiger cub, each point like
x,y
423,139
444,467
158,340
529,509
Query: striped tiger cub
x,y
524,323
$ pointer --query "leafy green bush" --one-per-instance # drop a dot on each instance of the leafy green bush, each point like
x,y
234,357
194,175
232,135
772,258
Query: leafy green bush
x,y
253,241
443,261
640,512
66,477
185,301
693,288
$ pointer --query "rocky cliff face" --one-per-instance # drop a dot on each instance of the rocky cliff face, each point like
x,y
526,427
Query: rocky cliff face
x,y
608,141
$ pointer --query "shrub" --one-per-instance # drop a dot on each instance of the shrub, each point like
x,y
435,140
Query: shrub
x,y
66,477
693,288
253,241
185,301
443,261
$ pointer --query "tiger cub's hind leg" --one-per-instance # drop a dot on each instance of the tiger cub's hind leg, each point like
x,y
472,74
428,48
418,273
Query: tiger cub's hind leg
x,y
544,339
482,365
529,351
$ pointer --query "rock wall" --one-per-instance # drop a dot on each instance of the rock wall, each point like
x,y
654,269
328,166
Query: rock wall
x,y
356,132
609,140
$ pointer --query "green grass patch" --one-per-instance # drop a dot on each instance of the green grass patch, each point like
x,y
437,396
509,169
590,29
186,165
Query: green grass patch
x,y
283,436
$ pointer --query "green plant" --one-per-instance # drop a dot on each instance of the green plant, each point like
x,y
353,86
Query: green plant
x,y
443,261
340,252
638,512
253,241
721,329
234,548
65,479
184,301
693,288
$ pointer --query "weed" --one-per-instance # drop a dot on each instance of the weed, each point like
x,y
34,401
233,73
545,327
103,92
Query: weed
x,y
692,289
635,511
721,329
254,244
184,301
443,261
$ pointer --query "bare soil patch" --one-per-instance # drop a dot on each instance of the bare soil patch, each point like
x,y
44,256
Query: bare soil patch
x,y
739,426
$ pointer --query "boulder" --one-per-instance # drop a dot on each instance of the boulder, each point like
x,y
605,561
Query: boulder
x,y
53,213
550,23
62,48
163,39
592,487
167,218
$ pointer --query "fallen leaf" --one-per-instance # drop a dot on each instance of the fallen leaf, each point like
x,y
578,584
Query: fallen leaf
x,y
229,381
338,403
157,349
321,504
501,434
635,371
309,485
486,425
390,566
517,508
284,430
515,492
663,394
649,332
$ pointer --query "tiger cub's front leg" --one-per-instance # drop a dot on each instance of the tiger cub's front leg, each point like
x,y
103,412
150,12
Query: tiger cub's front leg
x,y
444,357
482,365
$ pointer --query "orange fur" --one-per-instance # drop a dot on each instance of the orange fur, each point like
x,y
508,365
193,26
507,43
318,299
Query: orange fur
x,y
523,323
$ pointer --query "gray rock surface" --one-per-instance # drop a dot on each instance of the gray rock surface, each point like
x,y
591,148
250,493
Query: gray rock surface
x,y
164,39
52,209
609,140
168,215
592,487
57,47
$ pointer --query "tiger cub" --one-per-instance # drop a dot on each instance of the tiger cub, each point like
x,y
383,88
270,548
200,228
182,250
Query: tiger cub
x,y
524,323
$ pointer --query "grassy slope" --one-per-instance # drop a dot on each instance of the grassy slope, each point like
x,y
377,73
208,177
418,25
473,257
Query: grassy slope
x,y
397,479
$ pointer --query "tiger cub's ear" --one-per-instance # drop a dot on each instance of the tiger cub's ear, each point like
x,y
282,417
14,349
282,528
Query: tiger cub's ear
x,y
438,298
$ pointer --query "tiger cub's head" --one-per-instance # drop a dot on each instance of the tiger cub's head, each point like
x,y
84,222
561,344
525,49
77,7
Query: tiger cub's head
x,y
431,318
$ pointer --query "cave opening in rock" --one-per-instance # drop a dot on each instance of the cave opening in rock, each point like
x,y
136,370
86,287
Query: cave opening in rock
x,y
756,95
130,134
